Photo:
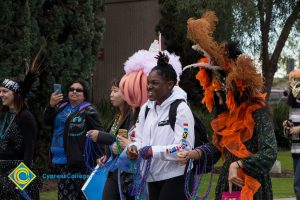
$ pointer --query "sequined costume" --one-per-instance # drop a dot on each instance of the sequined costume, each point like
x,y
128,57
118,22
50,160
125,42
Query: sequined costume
x,y
16,145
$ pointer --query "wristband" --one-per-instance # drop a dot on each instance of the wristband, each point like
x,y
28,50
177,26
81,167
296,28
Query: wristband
x,y
238,164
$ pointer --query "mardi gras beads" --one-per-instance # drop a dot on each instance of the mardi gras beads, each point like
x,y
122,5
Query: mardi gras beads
x,y
89,154
198,182
141,173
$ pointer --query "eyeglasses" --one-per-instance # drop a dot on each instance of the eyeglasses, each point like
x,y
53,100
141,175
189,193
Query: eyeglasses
x,y
75,90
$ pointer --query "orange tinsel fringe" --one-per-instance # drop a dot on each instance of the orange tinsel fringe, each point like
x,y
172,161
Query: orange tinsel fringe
x,y
231,130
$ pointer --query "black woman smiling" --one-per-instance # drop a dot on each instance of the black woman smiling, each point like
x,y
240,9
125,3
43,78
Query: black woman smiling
x,y
165,179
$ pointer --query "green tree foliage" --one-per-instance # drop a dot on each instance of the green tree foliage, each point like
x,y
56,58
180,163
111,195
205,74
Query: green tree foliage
x,y
175,14
73,32
19,35
280,112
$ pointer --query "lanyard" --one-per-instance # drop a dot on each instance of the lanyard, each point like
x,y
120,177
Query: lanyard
x,y
2,132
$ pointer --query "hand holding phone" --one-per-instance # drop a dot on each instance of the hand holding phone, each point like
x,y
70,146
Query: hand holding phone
x,y
56,96
57,88
288,124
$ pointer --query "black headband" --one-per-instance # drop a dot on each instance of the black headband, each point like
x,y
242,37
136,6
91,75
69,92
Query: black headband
x,y
11,85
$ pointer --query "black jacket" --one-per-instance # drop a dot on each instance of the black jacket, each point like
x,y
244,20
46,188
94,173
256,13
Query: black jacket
x,y
76,127
107,138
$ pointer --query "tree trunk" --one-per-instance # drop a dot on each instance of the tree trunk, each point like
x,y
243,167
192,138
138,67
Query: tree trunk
x,y
269,64
268,78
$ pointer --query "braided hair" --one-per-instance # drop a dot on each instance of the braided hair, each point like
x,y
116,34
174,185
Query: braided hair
x,y
164,69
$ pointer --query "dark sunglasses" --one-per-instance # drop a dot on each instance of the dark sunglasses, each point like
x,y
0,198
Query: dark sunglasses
x,y
75,90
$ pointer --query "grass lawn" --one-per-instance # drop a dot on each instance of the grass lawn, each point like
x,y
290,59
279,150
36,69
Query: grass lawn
x,y
286,161
49,195
282,187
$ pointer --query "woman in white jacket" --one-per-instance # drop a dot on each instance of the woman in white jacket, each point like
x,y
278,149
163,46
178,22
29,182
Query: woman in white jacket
x,y
166,176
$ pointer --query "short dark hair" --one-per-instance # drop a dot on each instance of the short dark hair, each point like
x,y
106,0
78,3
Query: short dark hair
x,y
116,82
84,86
164,69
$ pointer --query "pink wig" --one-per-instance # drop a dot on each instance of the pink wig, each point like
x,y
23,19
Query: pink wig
x,y
134,88
134,83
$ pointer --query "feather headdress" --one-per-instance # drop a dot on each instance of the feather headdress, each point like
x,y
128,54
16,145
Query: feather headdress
x,y
200,31
32,73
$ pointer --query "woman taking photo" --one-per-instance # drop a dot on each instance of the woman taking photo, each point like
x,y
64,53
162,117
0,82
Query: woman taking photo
x,y
70,120
17,136
165,179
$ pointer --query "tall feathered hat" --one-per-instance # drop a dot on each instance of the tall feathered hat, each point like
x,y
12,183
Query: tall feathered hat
x,y
244,83
200,31
214,64
32,73
134,83
241,75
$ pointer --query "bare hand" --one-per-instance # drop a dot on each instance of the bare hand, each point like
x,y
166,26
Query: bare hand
x,y
115,149
182,157
295,130
287,124
101,161
132,153
93,134
124,142
55,99
233,177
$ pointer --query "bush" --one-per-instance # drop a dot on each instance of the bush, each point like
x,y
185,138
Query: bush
x,y
203,115
73,32
106,112
280,112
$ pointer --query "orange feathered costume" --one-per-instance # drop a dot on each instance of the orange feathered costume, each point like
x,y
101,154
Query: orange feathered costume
x,y
233,128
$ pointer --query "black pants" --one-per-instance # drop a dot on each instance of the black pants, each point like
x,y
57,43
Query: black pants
x,y
111,191
111,188
7,187
172,188
69,188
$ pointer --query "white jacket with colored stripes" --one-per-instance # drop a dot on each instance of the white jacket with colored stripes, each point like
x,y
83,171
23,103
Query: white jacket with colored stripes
x,y
155,130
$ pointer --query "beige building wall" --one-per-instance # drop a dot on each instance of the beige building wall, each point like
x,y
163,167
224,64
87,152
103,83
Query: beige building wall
x,y
130,26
